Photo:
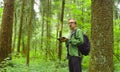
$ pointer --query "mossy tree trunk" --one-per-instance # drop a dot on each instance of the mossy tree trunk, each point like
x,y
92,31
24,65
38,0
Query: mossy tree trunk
x,y
102,36
60,31
29,30
21,24
6,29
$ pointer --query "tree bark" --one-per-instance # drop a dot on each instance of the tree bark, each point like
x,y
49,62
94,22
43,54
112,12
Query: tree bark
x,y
48,26
60,32
21,24
42,29
6,29
29,31
102,36
14,29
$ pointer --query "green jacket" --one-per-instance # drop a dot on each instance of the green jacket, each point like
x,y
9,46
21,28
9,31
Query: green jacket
x,y
73,42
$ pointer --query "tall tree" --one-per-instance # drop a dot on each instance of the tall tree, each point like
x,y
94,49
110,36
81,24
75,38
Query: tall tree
x,y
29,30
42,27
6,29
14,30
17,5
60,31
21,24
48,14
102,36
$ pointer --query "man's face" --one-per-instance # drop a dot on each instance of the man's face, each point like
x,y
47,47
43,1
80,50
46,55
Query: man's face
x,y
71,24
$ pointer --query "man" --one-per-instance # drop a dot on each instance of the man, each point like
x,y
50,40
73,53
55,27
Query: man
x,y
73,55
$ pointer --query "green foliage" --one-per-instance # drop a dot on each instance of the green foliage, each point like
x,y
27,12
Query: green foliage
x,y
116,37
116,64
117,45
85,63
1,11
37,64
81,11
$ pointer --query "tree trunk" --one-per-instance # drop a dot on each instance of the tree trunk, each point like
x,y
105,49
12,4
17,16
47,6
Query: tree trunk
x,y
21,23
48,30
6,29
29,31
57,30
102,36
15,28
60,32
42,29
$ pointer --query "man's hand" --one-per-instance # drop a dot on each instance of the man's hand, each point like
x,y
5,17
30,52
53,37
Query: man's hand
x,y
62,39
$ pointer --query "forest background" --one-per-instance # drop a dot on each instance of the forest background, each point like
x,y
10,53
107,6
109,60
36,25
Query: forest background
x,y
36,27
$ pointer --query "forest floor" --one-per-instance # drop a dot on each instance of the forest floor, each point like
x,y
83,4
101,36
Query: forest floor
x,y
40,65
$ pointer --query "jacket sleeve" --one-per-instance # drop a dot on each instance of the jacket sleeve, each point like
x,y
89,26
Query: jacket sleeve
x,y
78,40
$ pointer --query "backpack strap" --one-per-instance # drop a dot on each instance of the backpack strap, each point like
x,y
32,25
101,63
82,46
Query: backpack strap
x,y
75,34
